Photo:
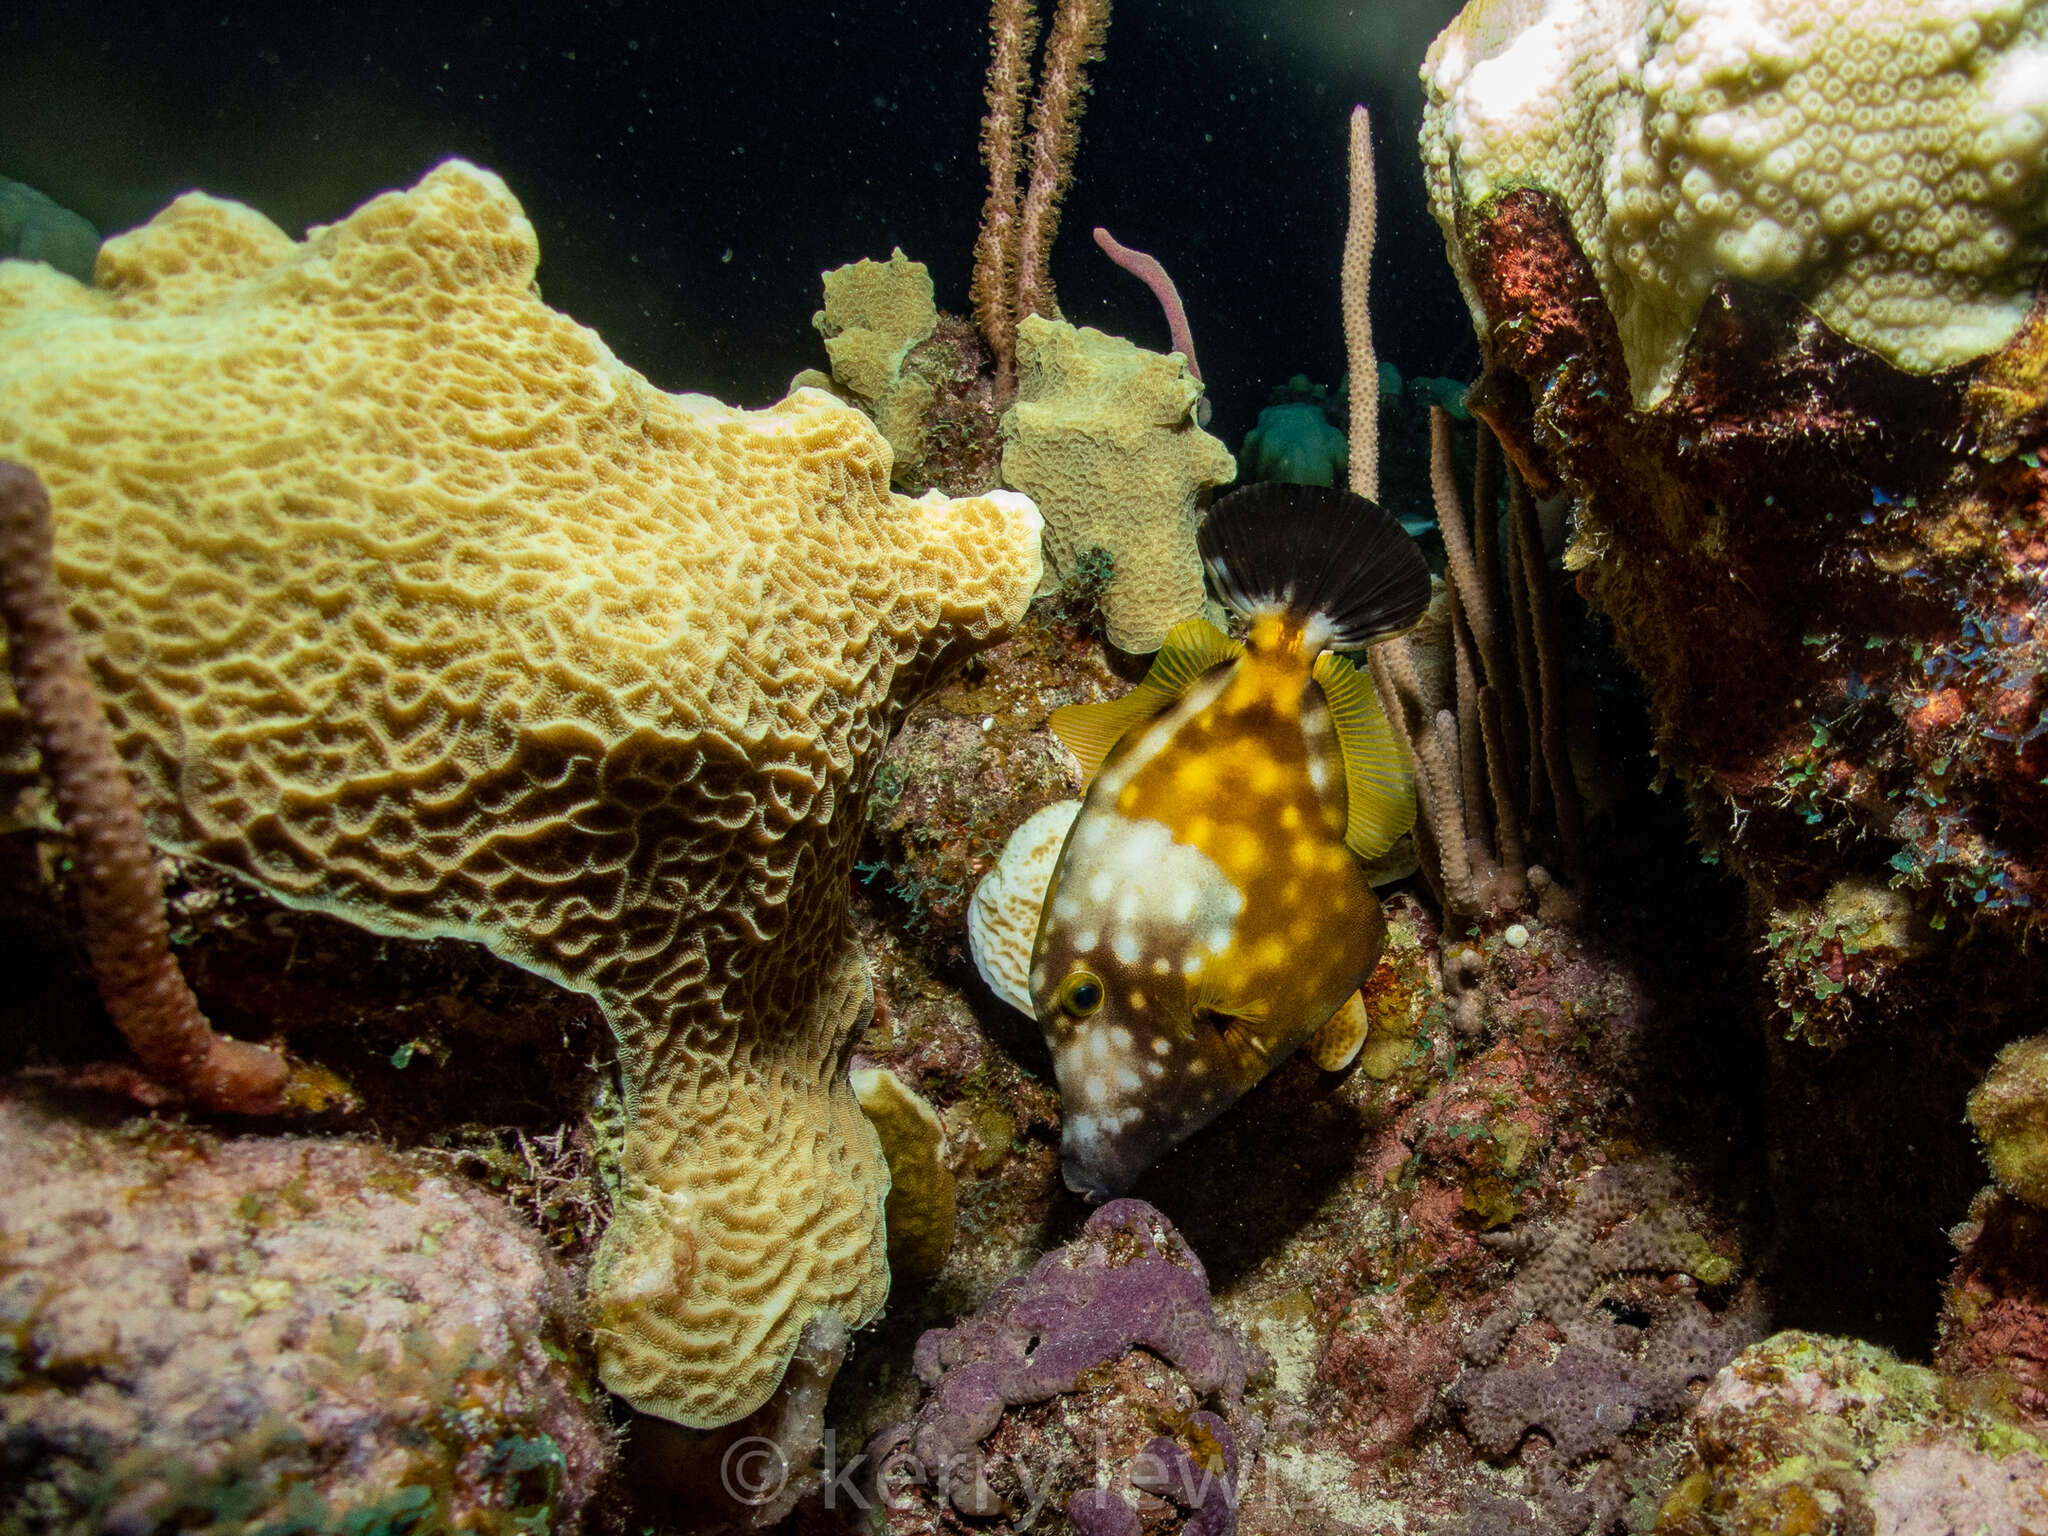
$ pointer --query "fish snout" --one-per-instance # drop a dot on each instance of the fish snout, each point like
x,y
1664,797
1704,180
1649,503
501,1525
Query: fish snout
x,y
1100,1167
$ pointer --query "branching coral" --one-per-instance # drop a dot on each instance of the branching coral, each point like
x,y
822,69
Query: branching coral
x,y
1011,276
113,873
1469,747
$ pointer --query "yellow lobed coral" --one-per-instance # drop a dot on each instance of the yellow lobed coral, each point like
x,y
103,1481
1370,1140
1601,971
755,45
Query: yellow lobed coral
x,y
1103,438
2010,1112
875,313
1884,160
923,1195
411,603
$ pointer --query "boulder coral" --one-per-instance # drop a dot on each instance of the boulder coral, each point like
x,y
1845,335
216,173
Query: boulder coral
x,y
411,604
1886,161
203,1333
1804,1432
1819,545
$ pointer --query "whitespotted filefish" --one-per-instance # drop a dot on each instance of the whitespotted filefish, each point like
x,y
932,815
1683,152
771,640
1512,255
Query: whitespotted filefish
x,y
1210,910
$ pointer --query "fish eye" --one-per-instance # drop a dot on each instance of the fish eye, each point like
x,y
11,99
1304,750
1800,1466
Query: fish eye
x,y
1080,994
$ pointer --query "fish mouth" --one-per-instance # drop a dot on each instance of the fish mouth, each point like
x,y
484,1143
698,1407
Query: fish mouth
x,y
1095,1176
1099,1163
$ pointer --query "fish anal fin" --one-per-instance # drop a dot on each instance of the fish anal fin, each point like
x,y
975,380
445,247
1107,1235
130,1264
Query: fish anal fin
x,y
1335,1046
1379,775
1192,650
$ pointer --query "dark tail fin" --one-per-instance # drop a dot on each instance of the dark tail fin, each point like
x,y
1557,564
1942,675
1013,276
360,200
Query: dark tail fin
x,y
1318,552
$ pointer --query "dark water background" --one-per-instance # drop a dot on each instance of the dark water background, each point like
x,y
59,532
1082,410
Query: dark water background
x,y
692,167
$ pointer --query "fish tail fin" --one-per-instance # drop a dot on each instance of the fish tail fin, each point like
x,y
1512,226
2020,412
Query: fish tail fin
x,y
1334,558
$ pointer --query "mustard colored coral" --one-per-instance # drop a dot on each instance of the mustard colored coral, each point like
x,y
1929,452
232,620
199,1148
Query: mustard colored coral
x,y
1884,160
923,1195
1103,438
2010,1111
412,604
875,313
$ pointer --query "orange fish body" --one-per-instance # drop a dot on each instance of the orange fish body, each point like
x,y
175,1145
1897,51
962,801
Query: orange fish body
x,y
1210,910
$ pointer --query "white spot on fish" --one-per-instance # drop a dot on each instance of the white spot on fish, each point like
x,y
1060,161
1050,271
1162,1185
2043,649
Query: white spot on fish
x,y
1160,1045
1156,1068
1127,1080
1161,965
1100,884
1121,1036
1084,941
1126,946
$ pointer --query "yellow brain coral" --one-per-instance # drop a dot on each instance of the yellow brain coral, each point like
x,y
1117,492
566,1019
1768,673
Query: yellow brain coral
x,y
1103,438
1885,160
414,605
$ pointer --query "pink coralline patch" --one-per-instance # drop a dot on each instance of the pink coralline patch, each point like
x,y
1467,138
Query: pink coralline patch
x,y
1944,707
1382,1375
1994,1321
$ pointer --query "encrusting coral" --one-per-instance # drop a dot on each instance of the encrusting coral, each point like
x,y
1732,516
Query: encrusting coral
x,y
411,604
113,873
1824,562
1128,1285
1607,1375
1884,160
1804,1432
1103,438
209,1333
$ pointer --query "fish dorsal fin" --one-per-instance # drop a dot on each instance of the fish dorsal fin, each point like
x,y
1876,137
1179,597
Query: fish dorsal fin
x,y
1192,650
1335,1046
1090,730
1379,775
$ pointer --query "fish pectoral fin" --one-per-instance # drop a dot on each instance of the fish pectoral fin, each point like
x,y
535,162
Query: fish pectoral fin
x,y
1246,1038
1193,649
1379,773
1336,1045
